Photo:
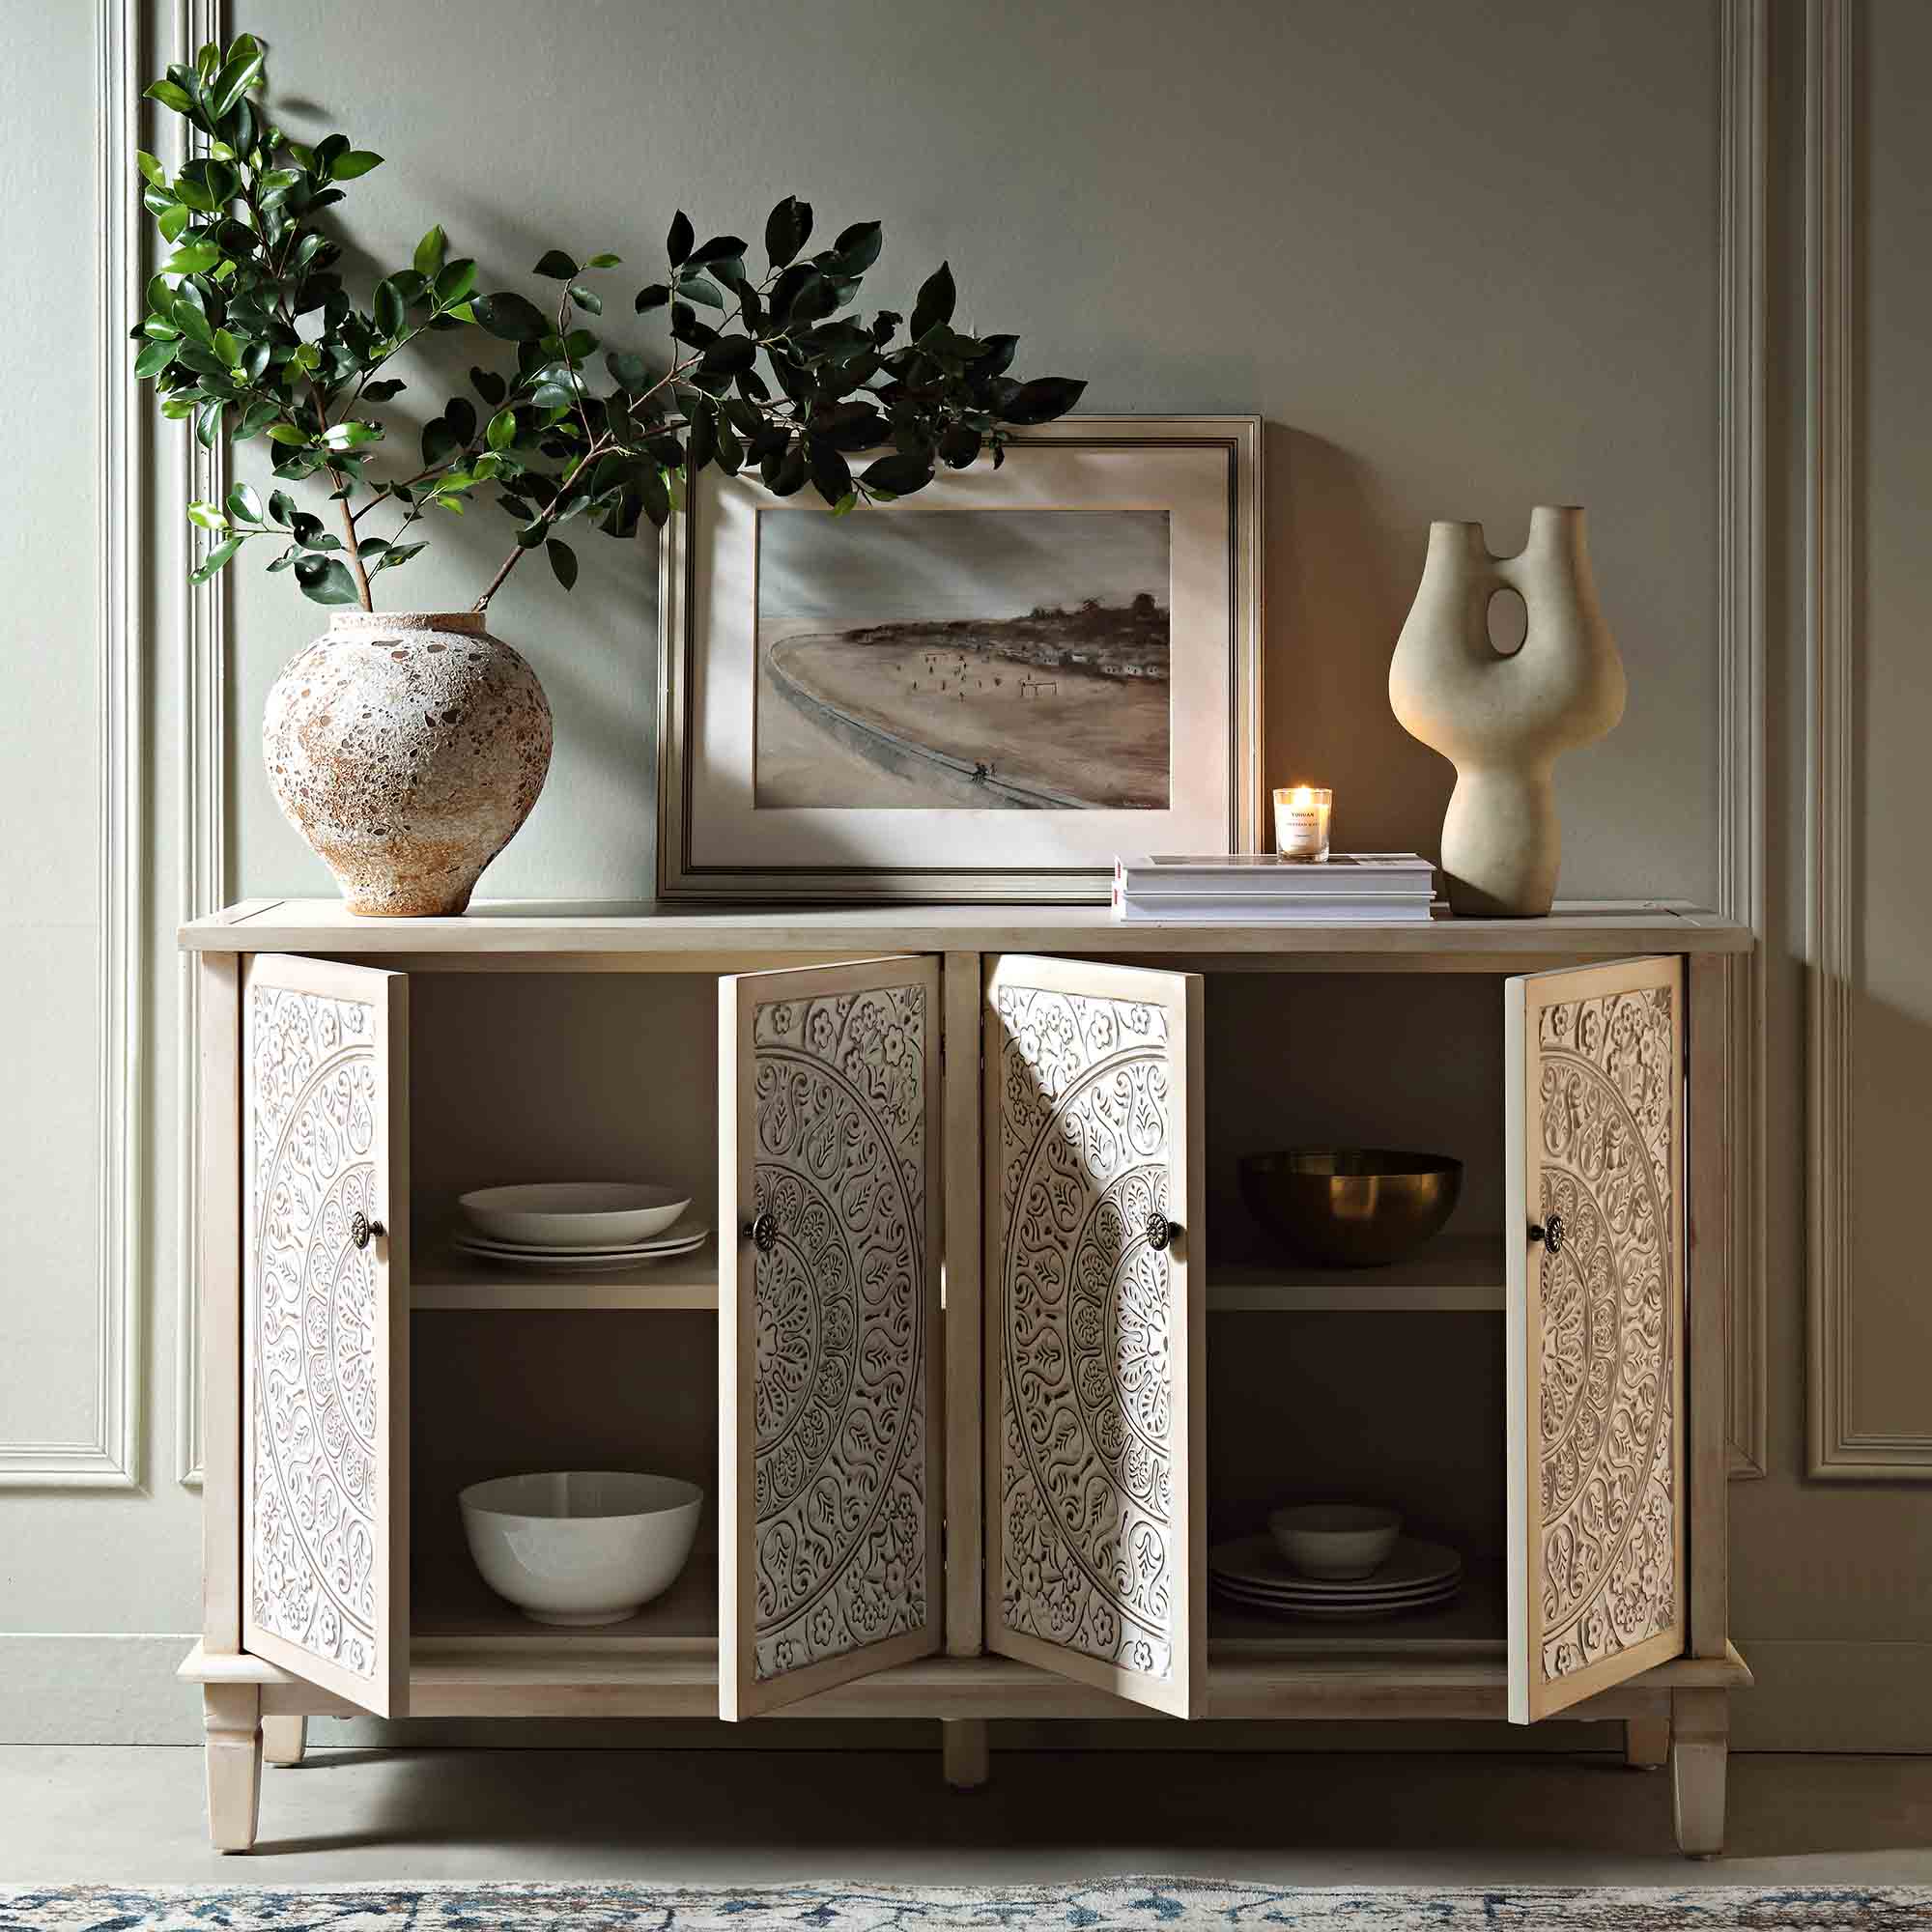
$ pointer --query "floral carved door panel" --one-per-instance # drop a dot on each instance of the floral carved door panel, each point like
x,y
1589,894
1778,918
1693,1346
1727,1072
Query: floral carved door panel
x,y
324,1377
1095,1333
1595,1328
830,1484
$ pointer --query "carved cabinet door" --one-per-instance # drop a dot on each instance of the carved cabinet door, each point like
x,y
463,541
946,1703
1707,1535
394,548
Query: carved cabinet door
x,y
830,1489
1595,1328
326,1325
1095,1343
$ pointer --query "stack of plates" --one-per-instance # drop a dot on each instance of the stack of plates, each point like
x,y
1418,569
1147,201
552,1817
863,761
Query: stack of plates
x,y
576,1224
1252,1571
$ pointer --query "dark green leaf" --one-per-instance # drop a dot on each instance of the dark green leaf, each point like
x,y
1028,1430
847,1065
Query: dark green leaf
x,y
150,169
590,302
326,580
629,372
192,258
831,476
653,296
154,358
398,554
430,251
556,264
855,249
346,167
786,228
454,281
214,559
208,424
656,498
243,505
502,431
390,310
512,317
233,82
701,445
172,220
677,243
461,416
351,435
936,299
701,290
563,561
959,446
730,451
899,474
720,249
604,262
729,356
1042,400
281,505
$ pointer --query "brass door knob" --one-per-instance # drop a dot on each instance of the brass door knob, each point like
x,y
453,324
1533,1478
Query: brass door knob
x,y
763,1231
362,1230
1159,1230
1549,1233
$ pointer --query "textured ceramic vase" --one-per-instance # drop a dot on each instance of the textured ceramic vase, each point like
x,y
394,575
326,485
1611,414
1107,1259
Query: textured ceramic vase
x,y
407,748
1503,720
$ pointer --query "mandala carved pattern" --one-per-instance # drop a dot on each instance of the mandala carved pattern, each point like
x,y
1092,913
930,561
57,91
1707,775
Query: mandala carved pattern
x,y
838,1385
1607,1116
1088,1319
312,1327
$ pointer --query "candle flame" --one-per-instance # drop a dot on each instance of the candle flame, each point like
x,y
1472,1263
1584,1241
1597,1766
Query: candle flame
x,y
1304,797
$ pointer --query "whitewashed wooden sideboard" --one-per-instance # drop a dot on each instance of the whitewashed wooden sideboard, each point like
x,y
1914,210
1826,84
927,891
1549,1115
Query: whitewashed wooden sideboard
x,y
988,1353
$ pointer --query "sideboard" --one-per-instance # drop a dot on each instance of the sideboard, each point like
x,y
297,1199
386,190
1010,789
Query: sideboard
x,y
987,1354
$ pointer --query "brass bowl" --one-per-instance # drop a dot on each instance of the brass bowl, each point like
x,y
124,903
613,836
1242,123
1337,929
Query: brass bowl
x,y
1351,1207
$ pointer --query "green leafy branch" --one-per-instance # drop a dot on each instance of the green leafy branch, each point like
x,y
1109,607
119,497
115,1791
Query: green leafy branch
x,y
250,332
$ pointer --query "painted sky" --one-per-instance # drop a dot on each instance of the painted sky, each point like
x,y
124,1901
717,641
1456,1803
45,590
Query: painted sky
x,y
876,567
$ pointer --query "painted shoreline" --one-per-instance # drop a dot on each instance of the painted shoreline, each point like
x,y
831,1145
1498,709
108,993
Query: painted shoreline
x,y
898,755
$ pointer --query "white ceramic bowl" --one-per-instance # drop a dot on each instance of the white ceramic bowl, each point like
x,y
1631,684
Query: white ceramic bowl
x,y
573,1213
581,1546
1335,1538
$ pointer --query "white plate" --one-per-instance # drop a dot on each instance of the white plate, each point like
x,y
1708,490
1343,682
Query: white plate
x,y
578,1263
573,1213
1254,1563
1339,1613
1251,1595
682,1235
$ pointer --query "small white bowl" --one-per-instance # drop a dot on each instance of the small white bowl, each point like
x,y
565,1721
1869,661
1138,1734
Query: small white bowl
x,y
573,1213
581,1546
1335,1540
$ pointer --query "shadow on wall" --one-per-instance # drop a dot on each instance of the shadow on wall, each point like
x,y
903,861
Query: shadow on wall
x,y
1340,580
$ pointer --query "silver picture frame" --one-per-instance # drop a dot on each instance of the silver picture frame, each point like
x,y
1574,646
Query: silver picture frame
x,y
704,860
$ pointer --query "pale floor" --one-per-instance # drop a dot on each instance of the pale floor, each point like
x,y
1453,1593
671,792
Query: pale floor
x,y
679,1816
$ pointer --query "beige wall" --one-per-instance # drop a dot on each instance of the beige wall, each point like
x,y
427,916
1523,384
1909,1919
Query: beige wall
x,y
1462,258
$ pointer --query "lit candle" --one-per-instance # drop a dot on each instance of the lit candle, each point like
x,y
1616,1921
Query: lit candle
x,y
1301,821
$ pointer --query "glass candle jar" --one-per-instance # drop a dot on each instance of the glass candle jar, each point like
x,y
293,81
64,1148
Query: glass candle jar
x,y
1301,821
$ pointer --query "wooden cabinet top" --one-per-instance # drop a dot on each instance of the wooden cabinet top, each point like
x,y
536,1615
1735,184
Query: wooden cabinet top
x,y
616,928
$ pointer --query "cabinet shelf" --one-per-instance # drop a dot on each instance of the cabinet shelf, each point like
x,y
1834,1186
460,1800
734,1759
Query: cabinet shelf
x,y
1457,1273
1453,1272
445,1279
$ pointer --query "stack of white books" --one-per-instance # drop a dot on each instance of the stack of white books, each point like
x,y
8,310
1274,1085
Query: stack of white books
x,y
1259,888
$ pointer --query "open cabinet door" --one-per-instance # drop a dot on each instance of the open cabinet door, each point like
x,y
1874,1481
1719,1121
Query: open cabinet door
x,y
1595,1328
830,1490
1095,1273
326,1326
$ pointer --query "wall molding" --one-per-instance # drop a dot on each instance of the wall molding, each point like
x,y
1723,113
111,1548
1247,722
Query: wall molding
x,y
1743,106
202,880
110,1458
1838,1448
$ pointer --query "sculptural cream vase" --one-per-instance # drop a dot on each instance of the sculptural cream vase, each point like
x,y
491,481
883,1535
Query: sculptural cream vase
x,y
1503,720
407,748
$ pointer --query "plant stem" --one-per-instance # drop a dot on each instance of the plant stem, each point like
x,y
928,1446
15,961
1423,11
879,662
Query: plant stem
x,y
354,556
496,583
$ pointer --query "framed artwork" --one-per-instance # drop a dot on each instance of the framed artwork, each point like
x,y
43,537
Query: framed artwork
x,y
983,692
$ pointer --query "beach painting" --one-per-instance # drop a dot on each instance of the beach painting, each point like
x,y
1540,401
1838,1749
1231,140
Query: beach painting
x,y
1011,659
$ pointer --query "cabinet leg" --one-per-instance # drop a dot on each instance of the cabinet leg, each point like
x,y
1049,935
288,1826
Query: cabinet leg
x,y
964,1751
1700,1724
284,1739
1646,1743
232,1715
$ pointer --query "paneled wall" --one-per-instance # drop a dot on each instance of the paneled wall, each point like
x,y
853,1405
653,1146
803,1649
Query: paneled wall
x,y
1463,258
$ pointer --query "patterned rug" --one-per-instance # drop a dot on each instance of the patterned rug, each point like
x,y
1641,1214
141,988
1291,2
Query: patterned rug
x,y
1096,1906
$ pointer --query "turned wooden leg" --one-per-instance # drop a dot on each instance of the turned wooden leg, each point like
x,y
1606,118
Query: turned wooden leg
x,y
284,1739
1646,1743
1700,1724
232,1715
964,1752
